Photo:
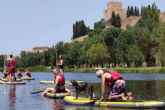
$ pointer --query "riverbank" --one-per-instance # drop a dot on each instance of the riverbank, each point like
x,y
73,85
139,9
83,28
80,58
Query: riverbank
x,y
122,70
92,70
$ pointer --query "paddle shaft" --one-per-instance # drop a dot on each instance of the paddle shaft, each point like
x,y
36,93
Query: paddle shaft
x,y
36,92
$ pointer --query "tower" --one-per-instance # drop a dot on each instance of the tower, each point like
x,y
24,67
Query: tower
x,y
114,7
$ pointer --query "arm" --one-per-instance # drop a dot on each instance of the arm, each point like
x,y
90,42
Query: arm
x,y
102,86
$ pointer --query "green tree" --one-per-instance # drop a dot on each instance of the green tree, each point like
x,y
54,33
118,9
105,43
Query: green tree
x,y
79,29
135,55
2,60
99,25
97,54
113,19
128,11
159,35
110,38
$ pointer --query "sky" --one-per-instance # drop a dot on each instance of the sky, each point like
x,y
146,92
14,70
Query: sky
x,y
25,24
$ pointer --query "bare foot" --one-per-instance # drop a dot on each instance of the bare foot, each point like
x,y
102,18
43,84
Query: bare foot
x,y
123,97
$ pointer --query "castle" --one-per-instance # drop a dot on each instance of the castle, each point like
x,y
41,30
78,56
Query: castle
x,y
114,7
117,8
39,49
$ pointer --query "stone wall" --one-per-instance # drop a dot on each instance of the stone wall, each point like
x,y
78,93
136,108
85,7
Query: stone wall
x,y
114,7
162,17
80,39
130,21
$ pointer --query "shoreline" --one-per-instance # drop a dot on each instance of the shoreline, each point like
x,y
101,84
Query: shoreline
x,y
146,70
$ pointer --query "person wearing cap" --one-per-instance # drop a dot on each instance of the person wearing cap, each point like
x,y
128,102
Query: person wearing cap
x,y
116,83
59,83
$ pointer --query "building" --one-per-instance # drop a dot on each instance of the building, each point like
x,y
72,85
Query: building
x,y
117,8
39,49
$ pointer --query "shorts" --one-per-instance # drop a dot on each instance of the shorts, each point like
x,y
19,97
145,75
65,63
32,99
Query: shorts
x,y
11,71
118,88
28,74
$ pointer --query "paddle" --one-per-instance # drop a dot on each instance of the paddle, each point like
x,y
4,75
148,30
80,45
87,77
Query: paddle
x,y
36,92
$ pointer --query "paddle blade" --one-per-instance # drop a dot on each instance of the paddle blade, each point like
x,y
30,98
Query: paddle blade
x,y
36,92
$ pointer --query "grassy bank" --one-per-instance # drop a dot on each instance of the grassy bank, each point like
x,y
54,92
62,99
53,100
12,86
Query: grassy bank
x,y
120,69
123,70
32,69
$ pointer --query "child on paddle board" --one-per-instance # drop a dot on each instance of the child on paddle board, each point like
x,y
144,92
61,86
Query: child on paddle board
x,y
116,83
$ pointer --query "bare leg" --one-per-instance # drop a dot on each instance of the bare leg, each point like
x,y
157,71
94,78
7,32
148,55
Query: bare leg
x,y
115,96
68,91
48,90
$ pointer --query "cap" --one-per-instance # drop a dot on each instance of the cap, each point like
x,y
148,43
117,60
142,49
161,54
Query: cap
x,y
99,72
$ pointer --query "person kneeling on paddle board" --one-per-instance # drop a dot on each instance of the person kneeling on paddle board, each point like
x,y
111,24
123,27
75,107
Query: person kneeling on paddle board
x,y
59,83
27,71
117,84
19,75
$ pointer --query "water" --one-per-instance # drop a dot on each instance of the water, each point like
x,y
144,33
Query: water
x,y
18,97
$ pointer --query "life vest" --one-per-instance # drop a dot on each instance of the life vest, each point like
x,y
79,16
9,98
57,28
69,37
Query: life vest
x,y
62,80
61,84
115,75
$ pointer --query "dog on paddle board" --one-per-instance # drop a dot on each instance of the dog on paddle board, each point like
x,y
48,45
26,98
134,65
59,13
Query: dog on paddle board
x,y
83,86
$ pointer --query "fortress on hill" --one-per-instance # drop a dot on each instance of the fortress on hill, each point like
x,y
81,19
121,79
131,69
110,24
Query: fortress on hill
x,y
117,8
114,7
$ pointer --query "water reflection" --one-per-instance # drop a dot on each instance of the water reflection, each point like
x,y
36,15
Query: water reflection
x,y
12,96
58,104
142,90
18,97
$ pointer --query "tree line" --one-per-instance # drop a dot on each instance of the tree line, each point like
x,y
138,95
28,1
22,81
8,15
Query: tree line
x,y
138,46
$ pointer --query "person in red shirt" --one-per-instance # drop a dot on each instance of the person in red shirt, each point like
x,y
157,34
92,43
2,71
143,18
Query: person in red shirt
x,y
59,83
116,83
12,64
60,64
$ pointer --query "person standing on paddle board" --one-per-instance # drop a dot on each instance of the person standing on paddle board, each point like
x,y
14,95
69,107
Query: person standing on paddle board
x,y
59,83
116,83
60,64
12,64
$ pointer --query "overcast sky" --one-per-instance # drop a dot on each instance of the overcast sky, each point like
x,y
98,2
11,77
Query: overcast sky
x,y
25,24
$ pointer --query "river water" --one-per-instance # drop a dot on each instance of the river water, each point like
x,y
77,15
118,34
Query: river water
x,y
18,97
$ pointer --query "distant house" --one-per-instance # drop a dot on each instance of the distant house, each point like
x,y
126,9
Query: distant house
x,y
39,49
